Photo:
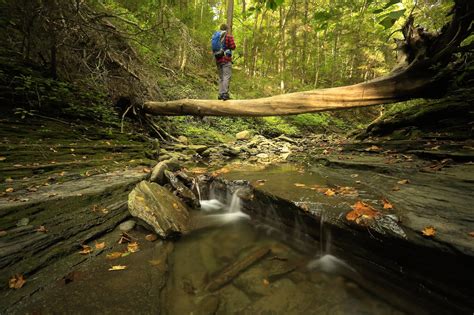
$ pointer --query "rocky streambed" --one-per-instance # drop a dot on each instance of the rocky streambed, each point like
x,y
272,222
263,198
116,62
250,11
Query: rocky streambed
x,y
376,227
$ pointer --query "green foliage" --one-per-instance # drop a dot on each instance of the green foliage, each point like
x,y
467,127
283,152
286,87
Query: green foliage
x,y
37,93
274,126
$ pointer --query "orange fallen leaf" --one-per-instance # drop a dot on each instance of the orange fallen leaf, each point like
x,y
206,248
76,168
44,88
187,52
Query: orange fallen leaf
x,y
16,282
362,213
151,237
386,204
403,182
146,170
471,234
266,282
429,231
42,229
329,192
132,247
99,245
117,267
113,255
85,250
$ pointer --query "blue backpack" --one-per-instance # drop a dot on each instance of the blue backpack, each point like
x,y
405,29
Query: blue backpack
x,y
218,43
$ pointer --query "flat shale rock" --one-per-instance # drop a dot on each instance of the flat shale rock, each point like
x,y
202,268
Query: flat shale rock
x,y
159,208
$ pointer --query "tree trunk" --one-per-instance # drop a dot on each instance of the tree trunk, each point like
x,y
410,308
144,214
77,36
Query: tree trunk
x,y
230,14
401,86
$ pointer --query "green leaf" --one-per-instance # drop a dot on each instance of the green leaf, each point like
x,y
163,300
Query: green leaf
x,y
390,3
321,16
391,18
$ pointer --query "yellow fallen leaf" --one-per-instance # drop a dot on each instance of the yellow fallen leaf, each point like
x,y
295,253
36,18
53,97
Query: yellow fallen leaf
x,y
2,158
403,182
329,192
9,190
300,185
133,247
117,267
266,282
16,282
85,250
429,231
99,245
146,170
113,255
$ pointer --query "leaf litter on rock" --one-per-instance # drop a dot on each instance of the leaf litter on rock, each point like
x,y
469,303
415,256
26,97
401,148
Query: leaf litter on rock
x,y
17,281
117,267
429,231
85,250
362,213
99,245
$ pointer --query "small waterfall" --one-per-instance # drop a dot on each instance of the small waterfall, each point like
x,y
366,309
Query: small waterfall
x,y
327,262
234,203
216,213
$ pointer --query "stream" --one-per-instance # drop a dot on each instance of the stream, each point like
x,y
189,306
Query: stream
x,y
173,277
245,260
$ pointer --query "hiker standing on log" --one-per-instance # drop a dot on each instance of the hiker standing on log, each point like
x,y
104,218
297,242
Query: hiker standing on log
x,y
222,45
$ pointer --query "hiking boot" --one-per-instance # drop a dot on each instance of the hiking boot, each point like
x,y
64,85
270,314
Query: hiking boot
x,y
225,97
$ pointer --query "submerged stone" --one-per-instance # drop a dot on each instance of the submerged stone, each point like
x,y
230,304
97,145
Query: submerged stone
x,y
159,208
127,225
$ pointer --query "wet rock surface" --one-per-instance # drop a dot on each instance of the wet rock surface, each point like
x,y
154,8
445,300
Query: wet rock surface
x,y
159,208
393,243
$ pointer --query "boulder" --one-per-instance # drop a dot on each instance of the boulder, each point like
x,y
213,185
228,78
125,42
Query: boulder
x,y
159,208
243,135
158,172
181,190
209,152
127,225
183,139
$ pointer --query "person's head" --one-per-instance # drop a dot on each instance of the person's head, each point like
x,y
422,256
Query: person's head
x,y
224,27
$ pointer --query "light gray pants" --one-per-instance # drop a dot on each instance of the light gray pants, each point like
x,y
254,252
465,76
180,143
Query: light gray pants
x,y
225,73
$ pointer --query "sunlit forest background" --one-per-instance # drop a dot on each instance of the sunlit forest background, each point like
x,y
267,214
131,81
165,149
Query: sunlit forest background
x,y
90,58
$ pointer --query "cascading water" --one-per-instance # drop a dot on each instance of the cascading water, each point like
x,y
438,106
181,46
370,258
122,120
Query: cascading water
x,y
217,213
327,262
